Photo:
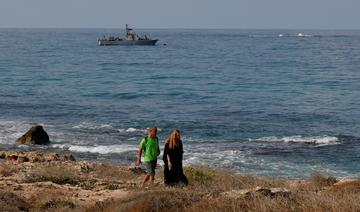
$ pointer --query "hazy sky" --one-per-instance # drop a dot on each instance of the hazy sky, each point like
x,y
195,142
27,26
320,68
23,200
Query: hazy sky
x,y
284,14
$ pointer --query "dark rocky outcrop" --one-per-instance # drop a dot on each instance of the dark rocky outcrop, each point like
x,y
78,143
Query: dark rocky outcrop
x,y
269,192
32,156
273,192
36,135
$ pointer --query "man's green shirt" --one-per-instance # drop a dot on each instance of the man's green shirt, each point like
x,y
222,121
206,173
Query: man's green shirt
x,y
151,148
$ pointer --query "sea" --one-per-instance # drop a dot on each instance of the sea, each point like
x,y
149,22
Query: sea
x,y
265,102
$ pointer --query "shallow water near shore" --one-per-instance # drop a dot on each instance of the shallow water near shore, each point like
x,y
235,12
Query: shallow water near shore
x,y
247,100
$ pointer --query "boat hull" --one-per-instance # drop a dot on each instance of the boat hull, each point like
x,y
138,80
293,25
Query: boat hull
x,y
127,42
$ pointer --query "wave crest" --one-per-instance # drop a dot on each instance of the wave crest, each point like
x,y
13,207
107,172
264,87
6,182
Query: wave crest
x,y
101,149
99,126
317,140
92,126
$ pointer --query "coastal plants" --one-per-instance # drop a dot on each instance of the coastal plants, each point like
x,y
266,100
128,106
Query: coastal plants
x,y
158,199
222,180
320,180
113,172
50,200
12,202
200,175
56,175
6,170
64,186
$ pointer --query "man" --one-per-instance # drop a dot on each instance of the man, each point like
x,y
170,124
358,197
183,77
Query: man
x,y
150,146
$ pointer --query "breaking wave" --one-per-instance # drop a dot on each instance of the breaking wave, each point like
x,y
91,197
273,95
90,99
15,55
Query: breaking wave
x,y
92,126
317,140
12,130
131,130
100,149
97,126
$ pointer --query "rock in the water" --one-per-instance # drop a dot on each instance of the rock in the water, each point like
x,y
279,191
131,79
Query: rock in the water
x,y
36,135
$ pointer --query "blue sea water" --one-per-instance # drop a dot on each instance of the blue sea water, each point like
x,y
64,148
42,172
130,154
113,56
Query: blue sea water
x,y
267,102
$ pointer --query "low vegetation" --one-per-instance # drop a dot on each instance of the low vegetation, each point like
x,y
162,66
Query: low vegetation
x,y
6,170
57,175
83,186
207,186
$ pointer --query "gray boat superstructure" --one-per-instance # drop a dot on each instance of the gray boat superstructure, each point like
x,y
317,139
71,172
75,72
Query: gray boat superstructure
x,y
131,38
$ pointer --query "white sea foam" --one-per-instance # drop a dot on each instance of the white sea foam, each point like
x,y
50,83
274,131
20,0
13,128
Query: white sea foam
x,y
318,140
303,35
215,154
135,130
11,130
101,126
92,126
132,130
101,149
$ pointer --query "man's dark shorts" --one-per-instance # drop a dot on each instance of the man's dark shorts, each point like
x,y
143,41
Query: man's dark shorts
x,y
150,167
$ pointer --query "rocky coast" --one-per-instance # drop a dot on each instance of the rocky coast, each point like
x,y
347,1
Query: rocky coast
x,y
49,181
57,181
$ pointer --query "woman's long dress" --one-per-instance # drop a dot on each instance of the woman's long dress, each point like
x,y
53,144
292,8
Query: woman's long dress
x,y
175,174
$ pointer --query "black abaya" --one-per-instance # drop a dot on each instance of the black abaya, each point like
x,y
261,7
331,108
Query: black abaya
x,y
175,174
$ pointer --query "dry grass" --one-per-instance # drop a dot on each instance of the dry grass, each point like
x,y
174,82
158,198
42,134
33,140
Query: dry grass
x,y
52,200
349,187
205,194
304,201
99,176
7,170
320,180
112,172
207,179
61,176
205,191
156,199
58,175
12,202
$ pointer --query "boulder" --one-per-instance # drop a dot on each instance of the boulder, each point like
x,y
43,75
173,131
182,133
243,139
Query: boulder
x,y
36,135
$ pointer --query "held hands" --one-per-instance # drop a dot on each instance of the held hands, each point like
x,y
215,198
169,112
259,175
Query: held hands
x,y
170,166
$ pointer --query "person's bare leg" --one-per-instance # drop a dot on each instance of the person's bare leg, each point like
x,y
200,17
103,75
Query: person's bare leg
x,y
152,179
147,178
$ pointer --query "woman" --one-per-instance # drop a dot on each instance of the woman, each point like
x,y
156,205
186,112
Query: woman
x,y
173,154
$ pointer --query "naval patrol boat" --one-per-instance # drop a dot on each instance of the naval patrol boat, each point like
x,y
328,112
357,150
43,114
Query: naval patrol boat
x,y
131,38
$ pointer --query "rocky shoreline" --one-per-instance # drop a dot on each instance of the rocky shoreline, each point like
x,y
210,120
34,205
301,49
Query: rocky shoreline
x,y
49,181
41,181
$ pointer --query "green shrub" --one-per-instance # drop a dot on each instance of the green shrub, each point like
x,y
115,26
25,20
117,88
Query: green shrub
x,y
202,176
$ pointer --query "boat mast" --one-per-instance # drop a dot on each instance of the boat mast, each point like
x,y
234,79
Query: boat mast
x,y
128,34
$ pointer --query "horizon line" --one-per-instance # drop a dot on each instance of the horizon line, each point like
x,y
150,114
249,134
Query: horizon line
x,y
186,28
